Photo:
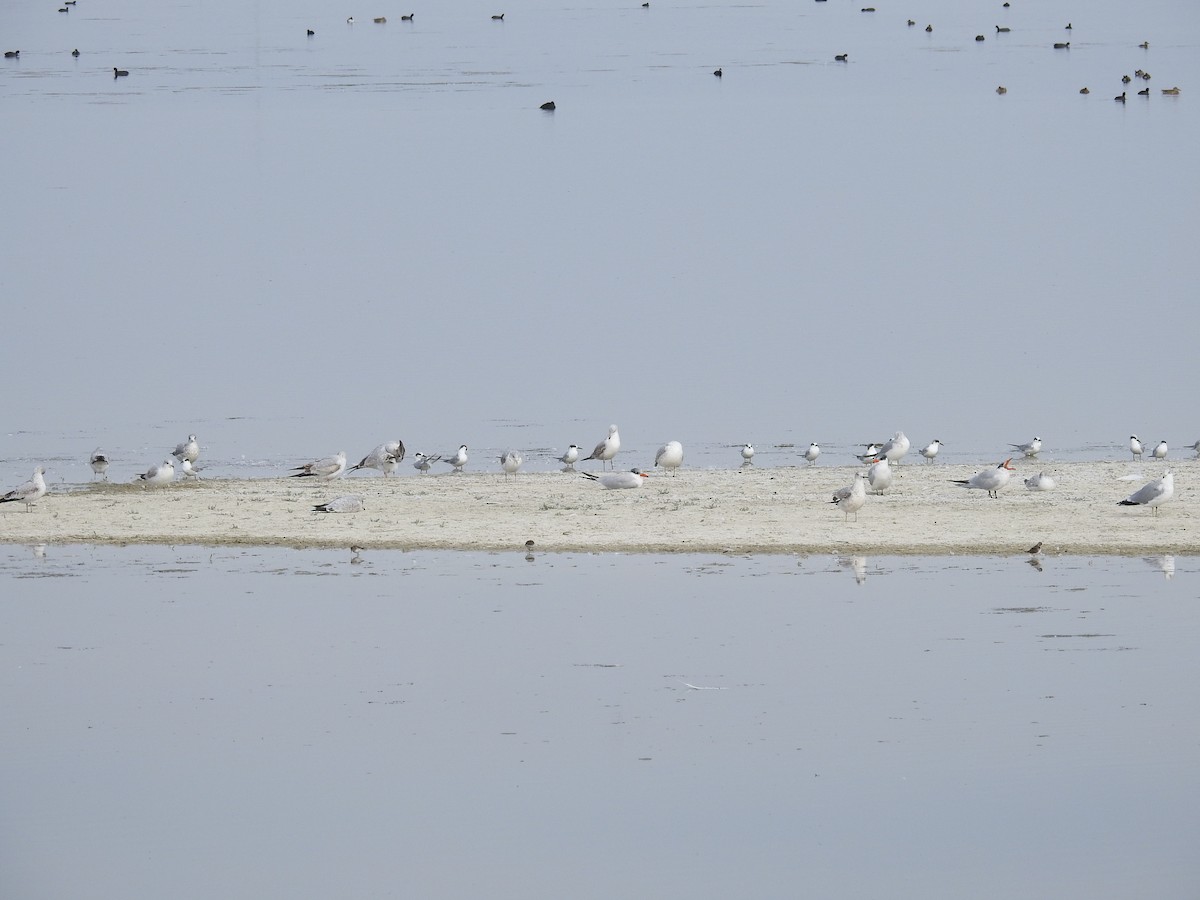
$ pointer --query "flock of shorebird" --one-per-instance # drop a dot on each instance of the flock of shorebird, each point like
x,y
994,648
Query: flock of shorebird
x,y
878,477
992,480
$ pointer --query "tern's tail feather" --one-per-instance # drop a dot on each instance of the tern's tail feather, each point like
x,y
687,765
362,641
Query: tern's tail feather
x,y
964,481
590,476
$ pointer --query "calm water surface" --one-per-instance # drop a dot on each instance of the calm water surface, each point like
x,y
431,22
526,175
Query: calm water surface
x,y
375,230
197,722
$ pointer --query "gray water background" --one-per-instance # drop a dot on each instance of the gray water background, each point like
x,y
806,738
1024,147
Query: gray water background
x,y
293,245
197,722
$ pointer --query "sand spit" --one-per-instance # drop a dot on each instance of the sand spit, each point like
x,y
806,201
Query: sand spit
x,y
749,510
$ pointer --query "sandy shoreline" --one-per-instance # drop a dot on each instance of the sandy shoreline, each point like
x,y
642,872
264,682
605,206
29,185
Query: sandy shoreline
x,y
752,510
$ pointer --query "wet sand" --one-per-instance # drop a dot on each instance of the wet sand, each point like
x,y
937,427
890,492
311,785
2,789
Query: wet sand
x,y
750,510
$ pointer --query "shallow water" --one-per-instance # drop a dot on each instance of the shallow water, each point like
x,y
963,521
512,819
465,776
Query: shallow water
x,y
376,231
197,722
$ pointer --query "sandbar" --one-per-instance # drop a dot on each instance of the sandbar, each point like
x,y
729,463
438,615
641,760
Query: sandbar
x,y
747,510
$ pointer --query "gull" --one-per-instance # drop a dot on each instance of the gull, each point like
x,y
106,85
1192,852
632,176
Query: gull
x,y
459,459
607,448
1157,492
386,457
748,454
880,475
990,480
188,450
162,474
1040,482
568,458
1135,446
189,470
929,451
99,463
28,493
328,467
1032,449
617,480
350,503
851,499
669,456
424,463
812,453
510,461
1160,450
895,449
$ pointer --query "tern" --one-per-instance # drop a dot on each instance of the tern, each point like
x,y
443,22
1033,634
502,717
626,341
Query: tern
x,y
510,461
1040,482
189,470
895,449
812,453
424,463
607,448
1135,446
386,457
880,475
1157,492
1160,450
328,467
459,459
188,450
618,480
568,459
99,463
162,474
1032,449
929,451
990,480
851,499
868,455
669,456
28,493
351,503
